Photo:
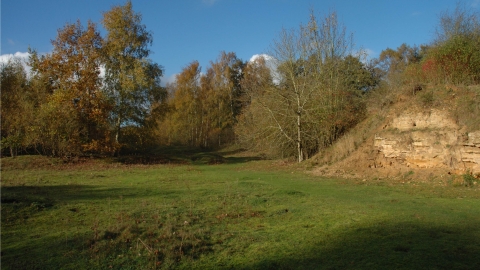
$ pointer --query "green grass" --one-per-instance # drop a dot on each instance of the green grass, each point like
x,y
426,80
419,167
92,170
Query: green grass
x,y
241,214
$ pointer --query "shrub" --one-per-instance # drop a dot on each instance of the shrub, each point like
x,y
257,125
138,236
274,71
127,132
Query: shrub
x,y
469,179
427,98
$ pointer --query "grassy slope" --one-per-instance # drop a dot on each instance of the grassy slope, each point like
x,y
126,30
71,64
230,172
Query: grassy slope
x,y
238,215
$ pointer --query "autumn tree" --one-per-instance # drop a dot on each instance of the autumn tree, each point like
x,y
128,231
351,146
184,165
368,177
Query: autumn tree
x,y
221,95
203,108
183,122
186,118
132,80
73,118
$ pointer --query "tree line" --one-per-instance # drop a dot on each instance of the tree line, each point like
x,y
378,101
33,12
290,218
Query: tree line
x,y
66,107
316,91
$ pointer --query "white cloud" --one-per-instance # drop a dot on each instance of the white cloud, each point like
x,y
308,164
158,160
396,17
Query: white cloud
x,y
256,56
11,42
370,53
271,63
170,79
23,56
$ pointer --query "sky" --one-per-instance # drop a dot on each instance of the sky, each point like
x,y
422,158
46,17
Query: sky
x,y
188,30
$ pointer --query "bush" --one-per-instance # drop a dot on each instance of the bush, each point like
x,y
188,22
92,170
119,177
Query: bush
x,y
459,60
469,179
455,57
427,98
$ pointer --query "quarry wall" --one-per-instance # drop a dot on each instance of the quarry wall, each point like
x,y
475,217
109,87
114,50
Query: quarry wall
x,y
429,139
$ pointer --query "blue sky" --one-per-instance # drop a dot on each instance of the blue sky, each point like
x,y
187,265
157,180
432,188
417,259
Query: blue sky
x,y
188,30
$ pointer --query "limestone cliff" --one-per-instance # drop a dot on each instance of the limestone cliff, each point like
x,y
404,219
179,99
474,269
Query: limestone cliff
x,y
427,140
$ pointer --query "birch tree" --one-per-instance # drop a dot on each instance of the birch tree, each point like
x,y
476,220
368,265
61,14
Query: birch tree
x,y
307,109
14,105
130,76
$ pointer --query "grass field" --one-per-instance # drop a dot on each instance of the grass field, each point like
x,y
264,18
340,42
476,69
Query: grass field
x,y
241,214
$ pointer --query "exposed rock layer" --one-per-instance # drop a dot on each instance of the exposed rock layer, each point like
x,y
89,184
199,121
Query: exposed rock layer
x,y
427,140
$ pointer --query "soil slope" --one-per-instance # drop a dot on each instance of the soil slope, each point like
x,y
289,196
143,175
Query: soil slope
x,y
411,140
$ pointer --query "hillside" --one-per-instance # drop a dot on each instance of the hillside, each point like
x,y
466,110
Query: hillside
x,y
432,134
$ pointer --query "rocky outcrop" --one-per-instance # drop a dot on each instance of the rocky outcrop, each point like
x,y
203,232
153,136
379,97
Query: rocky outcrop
x,y
427,140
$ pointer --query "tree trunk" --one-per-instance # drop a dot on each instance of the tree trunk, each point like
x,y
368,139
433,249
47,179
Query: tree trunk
x,y
117,135
299,138
117,129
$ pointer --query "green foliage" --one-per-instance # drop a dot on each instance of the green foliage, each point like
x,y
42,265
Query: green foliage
x,y
458,59
469,179
18,107
455,57
12,143
132,80
357,76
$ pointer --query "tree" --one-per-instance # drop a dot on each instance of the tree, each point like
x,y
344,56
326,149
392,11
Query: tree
x,y
14,105
394,62
204,107
131,79
315,100
222,94
357,75
455,54
74,114
188,111
460,22
254,128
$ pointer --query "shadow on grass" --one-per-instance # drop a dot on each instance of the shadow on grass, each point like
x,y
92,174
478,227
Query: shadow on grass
x,y
388,246
232,152
175,155
152,159
47,196
41,252
74,252
33,250
186,155
238,160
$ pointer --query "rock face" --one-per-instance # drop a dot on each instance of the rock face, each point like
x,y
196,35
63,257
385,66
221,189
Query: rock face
x,y
427,140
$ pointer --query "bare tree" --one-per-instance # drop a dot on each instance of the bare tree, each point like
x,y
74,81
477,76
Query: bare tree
x,y
312,103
